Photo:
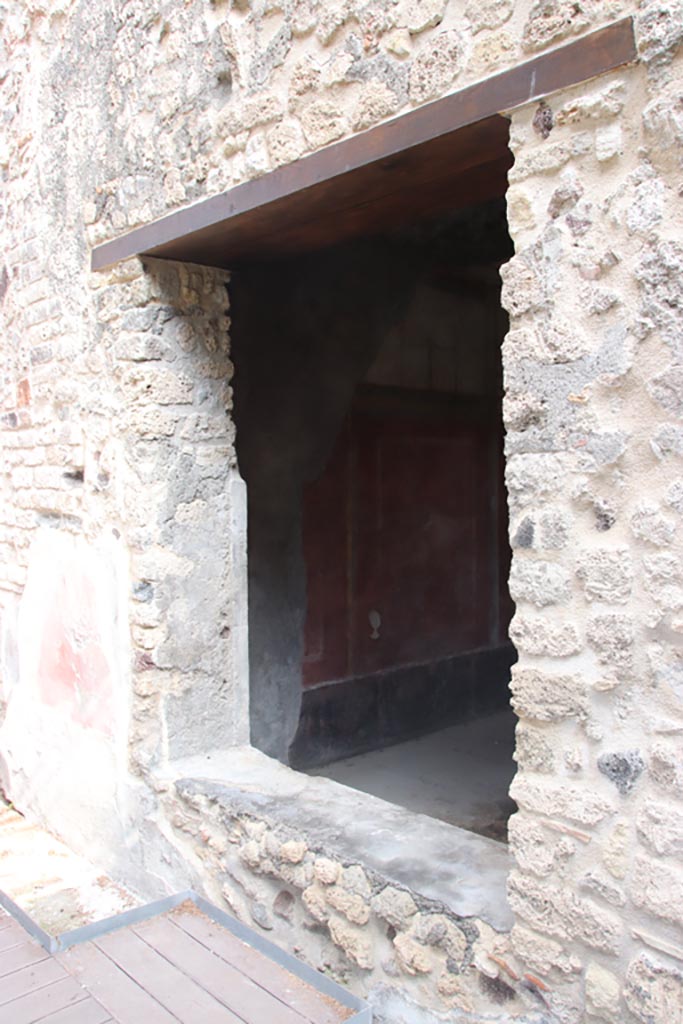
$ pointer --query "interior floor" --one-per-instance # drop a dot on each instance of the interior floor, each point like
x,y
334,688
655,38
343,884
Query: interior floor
x,y
461,774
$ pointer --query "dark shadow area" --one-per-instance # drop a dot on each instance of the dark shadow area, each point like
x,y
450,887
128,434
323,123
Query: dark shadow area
x,y
368,394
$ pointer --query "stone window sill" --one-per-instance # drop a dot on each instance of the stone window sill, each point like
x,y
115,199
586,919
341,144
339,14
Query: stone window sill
x,y
465,872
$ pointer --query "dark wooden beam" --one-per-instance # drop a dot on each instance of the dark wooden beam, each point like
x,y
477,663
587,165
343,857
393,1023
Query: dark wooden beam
x,y
348,187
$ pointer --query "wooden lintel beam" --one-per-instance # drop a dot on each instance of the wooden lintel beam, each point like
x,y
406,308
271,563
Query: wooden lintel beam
x,y
182,231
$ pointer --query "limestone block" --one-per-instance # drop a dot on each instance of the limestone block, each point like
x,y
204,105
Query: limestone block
x,y
649,524
550,21
674,496
609,142
611,636
350,904
252,113
603,887
533,751
256,161
558,341
659,273
326,871
667,390
536,636
435,66
337,70
521,411
665,766
602,992
491,52
576,803
523,290
654,990
285,142
412,957
520,210
293,851
398,43
594,106
158,384
606,574
664,580
658,889
423,14
395,906
660,827
554,527
376,101
616,850
541,953
490,14
250,853
255,829
335,14
139,347
322,122
646,208
356,945
560,913
659,31
304,18
539,583
663,124
533,850
546,697
549,160
532,474
450,985
304,77
315,903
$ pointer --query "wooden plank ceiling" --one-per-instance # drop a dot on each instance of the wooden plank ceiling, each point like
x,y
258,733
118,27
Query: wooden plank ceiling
x,y
435,159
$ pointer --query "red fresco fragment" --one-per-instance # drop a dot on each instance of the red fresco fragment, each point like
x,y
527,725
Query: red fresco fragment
x,y
23,393
73,672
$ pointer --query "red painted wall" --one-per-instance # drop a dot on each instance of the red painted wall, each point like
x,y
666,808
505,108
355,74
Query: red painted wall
x,y
404,522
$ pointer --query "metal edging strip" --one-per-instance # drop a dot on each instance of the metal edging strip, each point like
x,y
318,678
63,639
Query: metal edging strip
x,y
128,917
48,942
287,960
317,980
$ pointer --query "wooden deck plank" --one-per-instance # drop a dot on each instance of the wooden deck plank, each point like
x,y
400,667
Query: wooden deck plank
x,y
24,955
12,935
169,986
224,982
88,1011
311,1004
39,1004
28,979
123,998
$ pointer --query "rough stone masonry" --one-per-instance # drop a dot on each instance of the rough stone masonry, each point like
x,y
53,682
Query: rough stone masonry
x,y
122,520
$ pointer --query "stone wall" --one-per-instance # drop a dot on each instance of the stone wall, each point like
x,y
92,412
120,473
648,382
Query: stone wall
x,y
593,407
121,497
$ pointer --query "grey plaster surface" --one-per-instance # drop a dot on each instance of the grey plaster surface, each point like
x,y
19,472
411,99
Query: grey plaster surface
x,y
461,774
465,872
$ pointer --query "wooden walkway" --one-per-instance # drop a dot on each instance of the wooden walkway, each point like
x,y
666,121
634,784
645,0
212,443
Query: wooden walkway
x,y
178,967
